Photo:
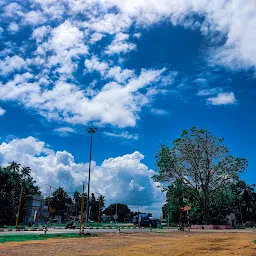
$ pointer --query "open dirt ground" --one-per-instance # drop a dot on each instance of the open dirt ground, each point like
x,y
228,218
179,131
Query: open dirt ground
x,y
176,243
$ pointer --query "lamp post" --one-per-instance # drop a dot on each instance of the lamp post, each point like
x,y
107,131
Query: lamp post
x,y
90,130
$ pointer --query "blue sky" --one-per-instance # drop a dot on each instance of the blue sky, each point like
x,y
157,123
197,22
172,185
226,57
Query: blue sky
x,y
141,71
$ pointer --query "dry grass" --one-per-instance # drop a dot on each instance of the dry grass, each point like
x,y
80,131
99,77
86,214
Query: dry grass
x,y
140,244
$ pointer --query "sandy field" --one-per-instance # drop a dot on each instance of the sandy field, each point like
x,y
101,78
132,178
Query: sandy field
x,y
174,244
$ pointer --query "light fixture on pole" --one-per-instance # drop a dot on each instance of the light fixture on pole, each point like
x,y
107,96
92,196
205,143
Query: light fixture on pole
x,y
91,130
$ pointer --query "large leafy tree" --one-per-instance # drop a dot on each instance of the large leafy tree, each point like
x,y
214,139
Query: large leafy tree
x,y
202,163
13,179
123,212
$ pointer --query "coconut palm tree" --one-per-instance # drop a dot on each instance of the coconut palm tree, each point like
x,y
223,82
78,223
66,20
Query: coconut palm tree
x,y
13,166
25,171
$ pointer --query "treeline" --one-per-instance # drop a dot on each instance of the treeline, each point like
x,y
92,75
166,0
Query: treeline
x,y
66,206
13,179
16,181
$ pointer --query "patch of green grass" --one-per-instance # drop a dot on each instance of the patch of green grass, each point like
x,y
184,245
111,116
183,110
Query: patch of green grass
x,y
255,241
29,237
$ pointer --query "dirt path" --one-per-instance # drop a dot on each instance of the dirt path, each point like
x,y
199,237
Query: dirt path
x,y
175,244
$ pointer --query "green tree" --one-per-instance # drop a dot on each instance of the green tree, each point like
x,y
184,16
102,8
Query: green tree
x,y
245,201
101,201
123,212
12,179
77,198
100,205
61,202
202,163
94,209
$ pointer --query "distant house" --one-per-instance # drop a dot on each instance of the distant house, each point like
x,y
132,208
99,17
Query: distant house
x,y
35,210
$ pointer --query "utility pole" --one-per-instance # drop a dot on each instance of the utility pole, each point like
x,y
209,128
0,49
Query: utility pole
x,y
18,214
116,212
99,210
48,207
240,211
82,209
90,130
138,216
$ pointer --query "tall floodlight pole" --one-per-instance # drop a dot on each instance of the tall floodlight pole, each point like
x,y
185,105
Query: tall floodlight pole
x,y
91,130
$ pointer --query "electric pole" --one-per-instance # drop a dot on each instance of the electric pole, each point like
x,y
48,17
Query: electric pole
x,y
82,209
48,207
17,217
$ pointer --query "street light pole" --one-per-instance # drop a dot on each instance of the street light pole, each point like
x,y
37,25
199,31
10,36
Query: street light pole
x,y
90,130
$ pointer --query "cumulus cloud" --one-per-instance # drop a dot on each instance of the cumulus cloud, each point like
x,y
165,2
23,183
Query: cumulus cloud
x,y
222,99
13,27
66,41
2,111
120,45
94,64
34,18
106,71
11,64
61,41
124,178
96,37
115,104
40,33
230,18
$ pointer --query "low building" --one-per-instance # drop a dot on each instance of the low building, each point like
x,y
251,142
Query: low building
x,y
35,210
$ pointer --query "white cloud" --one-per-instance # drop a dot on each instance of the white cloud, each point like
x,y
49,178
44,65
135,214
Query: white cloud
x,y
120,45
13,27
11,64
124,178
222,99
106,71
137,35
13,10
200,81
94,64
160,112
67,44
208,92
229,17
40,33
109,23
63,41
234,19
124,135
64,131
120,75
34,18
2,111
114,104
96,37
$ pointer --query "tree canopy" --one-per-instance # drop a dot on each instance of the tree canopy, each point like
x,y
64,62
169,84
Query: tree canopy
x,y
12,178
123,212
202,165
